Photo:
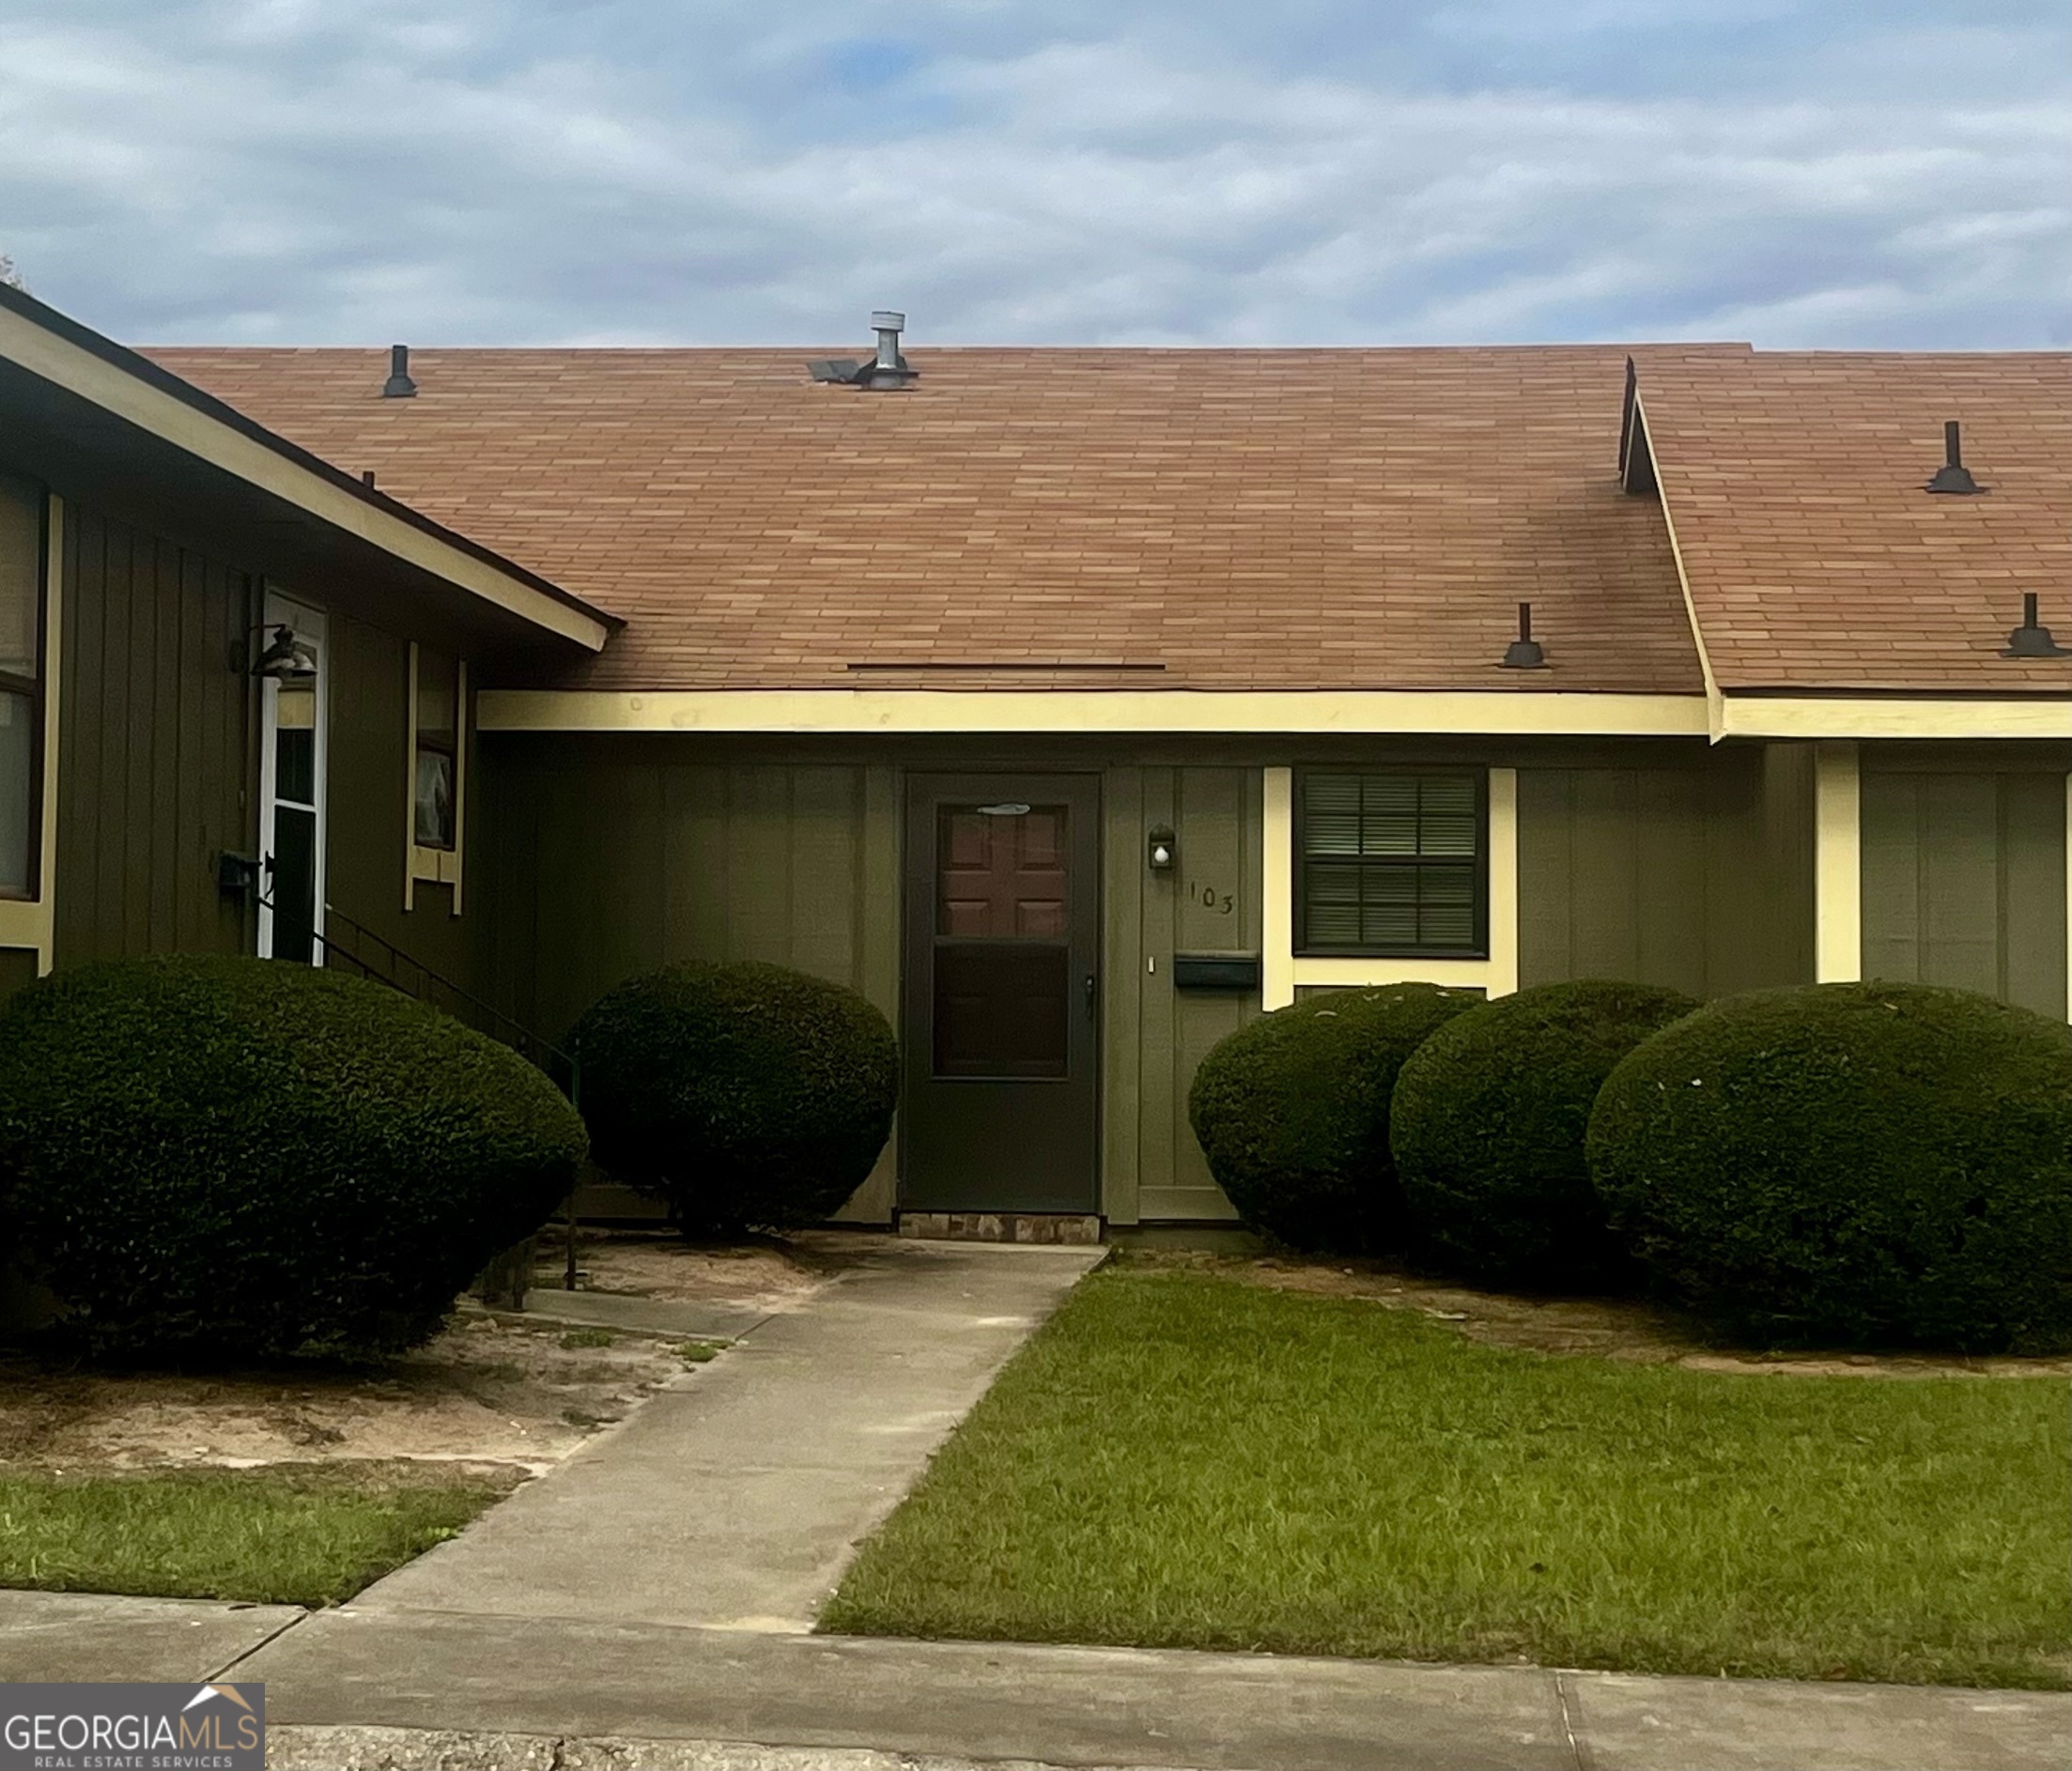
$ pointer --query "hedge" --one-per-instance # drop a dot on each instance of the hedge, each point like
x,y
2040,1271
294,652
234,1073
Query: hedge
x,y
1862,1164
1292,1111
243,1157
1487,1129
748,1096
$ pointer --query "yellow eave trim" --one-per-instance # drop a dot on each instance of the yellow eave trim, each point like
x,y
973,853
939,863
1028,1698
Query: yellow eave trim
x,y
1437,711
152,409
1844,717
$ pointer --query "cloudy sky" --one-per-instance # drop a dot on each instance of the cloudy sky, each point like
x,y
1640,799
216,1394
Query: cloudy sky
x,y
1888,173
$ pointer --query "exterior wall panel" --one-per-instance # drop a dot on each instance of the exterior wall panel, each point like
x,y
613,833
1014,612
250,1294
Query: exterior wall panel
x,y
1694,878
1964,881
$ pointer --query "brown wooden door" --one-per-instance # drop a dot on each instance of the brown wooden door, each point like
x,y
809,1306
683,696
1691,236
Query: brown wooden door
x,y
1002,1008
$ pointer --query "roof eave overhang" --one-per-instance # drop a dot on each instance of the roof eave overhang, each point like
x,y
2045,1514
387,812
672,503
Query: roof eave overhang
x,y
1844,714
90,367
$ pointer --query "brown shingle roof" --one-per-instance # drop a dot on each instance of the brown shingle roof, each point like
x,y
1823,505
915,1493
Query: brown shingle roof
x,y
1269,519
1816,560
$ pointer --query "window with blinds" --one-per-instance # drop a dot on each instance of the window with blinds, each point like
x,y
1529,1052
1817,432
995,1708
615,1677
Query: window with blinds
x,y
1391,864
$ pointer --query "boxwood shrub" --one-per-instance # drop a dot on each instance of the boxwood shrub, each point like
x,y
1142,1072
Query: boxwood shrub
x,y
1487,1129
748,1096
1292,1111
243,1157
1861,1164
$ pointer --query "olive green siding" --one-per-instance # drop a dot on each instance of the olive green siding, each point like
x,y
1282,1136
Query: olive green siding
x,y
1964,878
154,746
158,767
611,857
1154,1034
1696,876
17,968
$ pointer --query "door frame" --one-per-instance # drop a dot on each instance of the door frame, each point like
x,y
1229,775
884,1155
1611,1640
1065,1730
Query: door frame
x,y
309,625
916,903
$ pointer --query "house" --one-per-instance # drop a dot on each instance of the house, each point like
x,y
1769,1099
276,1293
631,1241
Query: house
x,y
1072,705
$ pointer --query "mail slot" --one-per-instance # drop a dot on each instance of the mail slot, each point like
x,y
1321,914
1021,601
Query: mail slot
x,y
1215,970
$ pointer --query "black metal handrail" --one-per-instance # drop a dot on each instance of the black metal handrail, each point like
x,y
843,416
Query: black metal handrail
x,y
542,1053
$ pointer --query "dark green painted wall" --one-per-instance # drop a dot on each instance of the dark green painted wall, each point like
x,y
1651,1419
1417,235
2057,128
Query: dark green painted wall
x,y
17,968
1964,878
1698,877
158,770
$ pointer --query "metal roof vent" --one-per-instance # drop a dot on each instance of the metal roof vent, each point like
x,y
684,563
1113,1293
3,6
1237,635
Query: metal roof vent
x,y
1525,653
399,386
1953,475
887,369
2032,639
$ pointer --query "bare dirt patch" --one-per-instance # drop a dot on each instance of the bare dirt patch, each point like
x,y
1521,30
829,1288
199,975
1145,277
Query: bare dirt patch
x,y
763,1274
1605,1328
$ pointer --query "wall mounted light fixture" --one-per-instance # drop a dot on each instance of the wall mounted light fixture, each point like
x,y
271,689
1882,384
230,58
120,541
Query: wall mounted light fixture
x,y
1164,849
286,657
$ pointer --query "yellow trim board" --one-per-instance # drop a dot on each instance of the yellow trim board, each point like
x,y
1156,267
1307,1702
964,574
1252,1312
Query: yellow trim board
x,y
1837,864
1866,716
1355,712
171,420
32,924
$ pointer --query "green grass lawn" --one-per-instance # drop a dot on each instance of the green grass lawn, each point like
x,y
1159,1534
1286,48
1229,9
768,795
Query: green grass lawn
x,y
307,1535
1188,1461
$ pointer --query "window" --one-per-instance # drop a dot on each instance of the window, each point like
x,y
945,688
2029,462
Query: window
x,y
1392,864
435,816
22,551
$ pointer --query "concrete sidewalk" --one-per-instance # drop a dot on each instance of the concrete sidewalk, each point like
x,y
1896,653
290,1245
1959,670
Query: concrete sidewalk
x,y
735,1497
350,1689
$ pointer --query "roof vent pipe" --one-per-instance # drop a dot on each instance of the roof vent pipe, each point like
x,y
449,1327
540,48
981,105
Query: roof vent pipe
x,y
1525,653
889,326
2032,640
399,386
1953,475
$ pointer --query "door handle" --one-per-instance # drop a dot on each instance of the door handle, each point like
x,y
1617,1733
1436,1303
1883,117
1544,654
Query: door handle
x,y
1092,992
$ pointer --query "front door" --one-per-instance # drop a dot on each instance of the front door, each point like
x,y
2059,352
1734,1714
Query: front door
x,y
1002,1009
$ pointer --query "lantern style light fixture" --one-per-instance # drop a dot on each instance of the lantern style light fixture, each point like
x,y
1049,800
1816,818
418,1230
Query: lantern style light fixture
x,y
1164,849
286,658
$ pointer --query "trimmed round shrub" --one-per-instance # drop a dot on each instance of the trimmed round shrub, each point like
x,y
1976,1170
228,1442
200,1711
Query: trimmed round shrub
x,y
241,1157
1858,1163
1292,1111
1487,1129
748,1095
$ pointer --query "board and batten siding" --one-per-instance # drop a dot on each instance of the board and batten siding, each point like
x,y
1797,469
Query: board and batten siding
x,y
1698,878
1964,876
1155,1035
611,857
154,745
158,770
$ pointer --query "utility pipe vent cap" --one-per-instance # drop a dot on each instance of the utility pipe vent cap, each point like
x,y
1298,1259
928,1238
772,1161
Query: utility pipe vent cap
x,y
1953,475
2032,639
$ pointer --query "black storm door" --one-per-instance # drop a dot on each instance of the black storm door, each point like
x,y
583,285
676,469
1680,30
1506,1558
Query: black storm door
x,y
1002,993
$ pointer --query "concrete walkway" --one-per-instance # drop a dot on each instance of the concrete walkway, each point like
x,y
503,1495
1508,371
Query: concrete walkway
x,y
735,1497
371,1690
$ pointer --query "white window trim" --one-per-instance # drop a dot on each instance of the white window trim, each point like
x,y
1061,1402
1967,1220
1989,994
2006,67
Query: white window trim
x,y
1281,972
31,924
310,623
435,867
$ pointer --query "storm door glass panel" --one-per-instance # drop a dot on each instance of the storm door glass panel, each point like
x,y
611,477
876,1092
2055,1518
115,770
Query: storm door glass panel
x,y
293,851
17,791
1002,970
438,716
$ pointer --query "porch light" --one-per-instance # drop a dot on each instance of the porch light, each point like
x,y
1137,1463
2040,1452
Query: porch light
x,y
286,658
1165,849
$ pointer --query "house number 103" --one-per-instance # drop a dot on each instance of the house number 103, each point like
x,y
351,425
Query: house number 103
x,y
1210,899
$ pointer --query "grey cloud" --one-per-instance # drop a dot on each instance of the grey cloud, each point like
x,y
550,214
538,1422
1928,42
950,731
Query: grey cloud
x,y
471,171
